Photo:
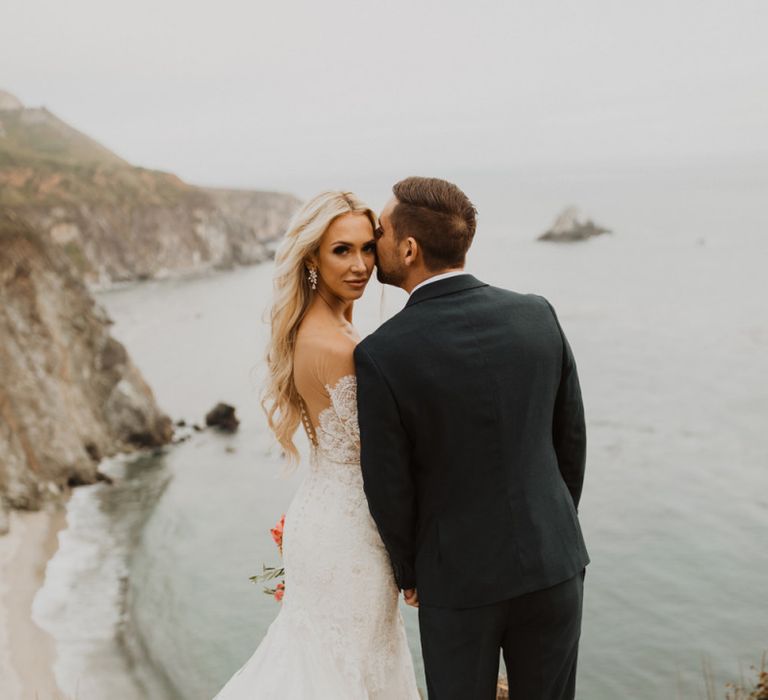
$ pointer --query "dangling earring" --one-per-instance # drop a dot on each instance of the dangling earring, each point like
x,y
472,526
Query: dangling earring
x,y
312,277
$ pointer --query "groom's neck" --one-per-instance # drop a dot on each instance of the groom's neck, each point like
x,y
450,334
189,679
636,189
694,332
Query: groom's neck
x,y
416,278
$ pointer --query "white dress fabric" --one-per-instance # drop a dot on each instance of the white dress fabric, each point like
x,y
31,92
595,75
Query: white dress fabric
x,y
339,633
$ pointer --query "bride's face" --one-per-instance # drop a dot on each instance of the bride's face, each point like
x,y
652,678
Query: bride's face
x,y
346,256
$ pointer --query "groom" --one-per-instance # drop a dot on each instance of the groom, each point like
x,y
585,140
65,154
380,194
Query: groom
x,y
473,449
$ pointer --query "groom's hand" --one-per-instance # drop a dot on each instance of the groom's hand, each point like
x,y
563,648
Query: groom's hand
x,y
411,597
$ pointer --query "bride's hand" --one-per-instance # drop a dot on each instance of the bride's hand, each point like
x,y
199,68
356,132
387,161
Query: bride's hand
x,y
411,597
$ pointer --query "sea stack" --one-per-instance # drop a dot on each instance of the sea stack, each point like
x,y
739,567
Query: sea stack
x,y
571,226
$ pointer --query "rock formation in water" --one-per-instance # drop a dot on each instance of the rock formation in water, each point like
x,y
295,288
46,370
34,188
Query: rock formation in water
x,y
222,416
117,222
570,226
69,393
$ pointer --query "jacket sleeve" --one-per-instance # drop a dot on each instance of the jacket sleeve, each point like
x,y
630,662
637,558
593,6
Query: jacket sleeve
x,y
385,457
568,427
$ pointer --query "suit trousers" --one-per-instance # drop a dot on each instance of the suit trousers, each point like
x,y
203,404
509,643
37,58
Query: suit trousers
x,y
538,634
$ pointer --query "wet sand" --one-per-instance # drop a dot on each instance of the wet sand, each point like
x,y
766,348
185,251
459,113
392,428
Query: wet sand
x,y
27,653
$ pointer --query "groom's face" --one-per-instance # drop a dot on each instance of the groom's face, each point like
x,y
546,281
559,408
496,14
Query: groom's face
x,y
390,268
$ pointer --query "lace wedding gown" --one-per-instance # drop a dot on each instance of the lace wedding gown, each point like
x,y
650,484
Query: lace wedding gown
x,y
339,634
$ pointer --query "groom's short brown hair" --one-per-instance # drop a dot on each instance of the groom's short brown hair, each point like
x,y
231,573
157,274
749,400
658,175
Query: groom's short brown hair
x,y
439,216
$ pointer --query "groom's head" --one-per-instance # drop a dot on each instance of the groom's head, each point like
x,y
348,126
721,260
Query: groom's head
x,y
425,228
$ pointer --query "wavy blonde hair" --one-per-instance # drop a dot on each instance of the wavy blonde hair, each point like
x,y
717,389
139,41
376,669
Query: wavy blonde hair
x,y
292,296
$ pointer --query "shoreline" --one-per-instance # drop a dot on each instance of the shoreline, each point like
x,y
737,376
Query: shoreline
x,y
27,652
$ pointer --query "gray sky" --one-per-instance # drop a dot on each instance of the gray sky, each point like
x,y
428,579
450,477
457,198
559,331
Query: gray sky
x,y
255,94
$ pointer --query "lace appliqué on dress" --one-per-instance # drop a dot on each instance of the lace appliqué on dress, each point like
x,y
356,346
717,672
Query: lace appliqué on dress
x,y
368,638
338,434
339,633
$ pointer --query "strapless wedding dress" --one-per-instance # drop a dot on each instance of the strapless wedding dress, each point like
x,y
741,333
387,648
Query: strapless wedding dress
x,y
339,634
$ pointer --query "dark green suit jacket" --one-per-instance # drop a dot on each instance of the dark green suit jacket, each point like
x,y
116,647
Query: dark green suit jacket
x,y
473,443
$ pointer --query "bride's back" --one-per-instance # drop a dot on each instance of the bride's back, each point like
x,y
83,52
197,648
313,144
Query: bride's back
x,y
323,354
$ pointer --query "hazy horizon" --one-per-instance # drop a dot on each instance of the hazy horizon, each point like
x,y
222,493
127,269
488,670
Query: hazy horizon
x,y
274,96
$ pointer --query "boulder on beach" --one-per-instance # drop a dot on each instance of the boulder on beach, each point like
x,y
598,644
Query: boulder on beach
x,y
571,226
222,416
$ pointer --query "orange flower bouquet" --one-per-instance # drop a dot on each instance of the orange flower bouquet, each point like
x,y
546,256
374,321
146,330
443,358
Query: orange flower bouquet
x,y
277,534
270,573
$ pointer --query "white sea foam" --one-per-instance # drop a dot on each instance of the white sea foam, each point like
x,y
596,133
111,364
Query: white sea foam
x,y
81,601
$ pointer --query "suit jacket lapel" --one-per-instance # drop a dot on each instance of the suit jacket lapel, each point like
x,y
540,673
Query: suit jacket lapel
x,y
451,285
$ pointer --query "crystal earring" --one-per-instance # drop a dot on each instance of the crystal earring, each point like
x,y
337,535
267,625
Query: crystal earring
x,y
312,277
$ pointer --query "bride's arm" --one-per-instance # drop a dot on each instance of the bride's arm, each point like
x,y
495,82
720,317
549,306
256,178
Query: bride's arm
x,y
385,460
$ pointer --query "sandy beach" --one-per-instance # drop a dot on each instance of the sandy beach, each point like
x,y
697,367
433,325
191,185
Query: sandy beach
x,y
27,652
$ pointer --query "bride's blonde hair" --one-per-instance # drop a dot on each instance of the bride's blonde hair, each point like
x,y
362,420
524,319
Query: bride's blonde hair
x,y
292,295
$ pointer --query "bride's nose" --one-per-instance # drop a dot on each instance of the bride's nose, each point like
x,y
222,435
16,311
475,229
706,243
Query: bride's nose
x,y
358,264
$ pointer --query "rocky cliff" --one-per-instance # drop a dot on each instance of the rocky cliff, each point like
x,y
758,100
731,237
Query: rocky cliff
x,y
69,394
116,222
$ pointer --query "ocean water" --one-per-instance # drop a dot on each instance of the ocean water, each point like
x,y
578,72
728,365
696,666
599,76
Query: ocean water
x,y
149,594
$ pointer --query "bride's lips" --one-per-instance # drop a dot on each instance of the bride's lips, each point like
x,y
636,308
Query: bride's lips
x,y
357,284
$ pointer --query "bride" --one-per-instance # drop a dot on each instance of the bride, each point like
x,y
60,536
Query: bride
x,y
339,633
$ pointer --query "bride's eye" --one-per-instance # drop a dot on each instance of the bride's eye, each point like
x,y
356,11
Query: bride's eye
x,y
339,249
370,248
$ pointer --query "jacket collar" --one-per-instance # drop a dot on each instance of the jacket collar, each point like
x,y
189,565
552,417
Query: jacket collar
x,y
451,285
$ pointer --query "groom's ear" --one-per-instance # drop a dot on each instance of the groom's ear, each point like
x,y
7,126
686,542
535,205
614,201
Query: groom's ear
x,y
411,250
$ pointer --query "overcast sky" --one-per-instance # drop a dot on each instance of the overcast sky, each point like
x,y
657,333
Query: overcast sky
x,y
256,94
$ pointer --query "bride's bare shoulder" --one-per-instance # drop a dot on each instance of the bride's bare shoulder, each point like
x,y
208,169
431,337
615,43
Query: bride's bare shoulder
x,y
326,353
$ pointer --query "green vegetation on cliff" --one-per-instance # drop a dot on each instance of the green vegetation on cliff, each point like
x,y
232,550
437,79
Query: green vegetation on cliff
x,y
116,222
44,161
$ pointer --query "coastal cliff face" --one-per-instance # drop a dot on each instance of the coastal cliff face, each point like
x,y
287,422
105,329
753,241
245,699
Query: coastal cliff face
x,y
74,216
190,231
116,222
69,393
